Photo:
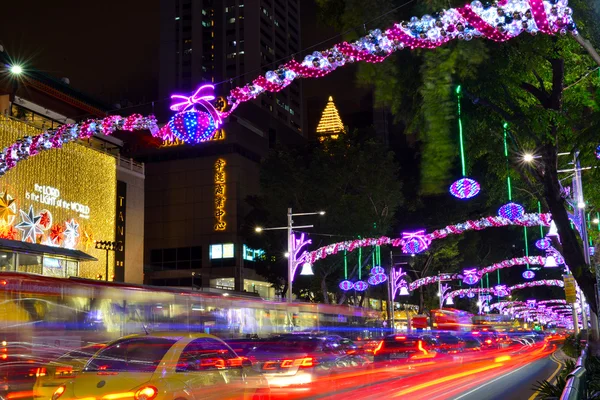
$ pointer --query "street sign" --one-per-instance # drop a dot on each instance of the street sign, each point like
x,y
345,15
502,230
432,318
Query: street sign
x,y
570,289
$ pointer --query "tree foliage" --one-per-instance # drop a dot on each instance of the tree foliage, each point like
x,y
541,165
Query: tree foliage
x,y
355,179
546,88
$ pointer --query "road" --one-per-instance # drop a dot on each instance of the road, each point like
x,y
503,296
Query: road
x,y
506,375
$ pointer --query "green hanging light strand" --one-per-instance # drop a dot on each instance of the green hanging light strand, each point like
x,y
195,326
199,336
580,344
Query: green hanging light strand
x,y
345,265
487,278
359,263
460,131
498,276
508,183
541,227
526,243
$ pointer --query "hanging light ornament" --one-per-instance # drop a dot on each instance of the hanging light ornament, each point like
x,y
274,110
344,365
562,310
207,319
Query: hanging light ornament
x,y
360,286
470,295
377,270
528,274
543,244
346,285
191,125
415,242
470,276
597,152
511,211
464,188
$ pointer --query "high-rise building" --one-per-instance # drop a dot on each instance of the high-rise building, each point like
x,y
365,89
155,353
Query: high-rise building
x,y
197,195
229,43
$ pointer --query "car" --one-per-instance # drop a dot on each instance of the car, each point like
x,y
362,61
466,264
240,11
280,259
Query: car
x,y
404,349
55,373
450,344
302,361
243,346
157,366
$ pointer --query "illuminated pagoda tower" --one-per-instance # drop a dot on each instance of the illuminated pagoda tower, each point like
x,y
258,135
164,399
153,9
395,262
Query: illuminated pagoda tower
x,y
330,125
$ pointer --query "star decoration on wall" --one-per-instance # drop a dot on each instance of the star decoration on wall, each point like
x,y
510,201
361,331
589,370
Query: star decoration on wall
x,y
87,238
8,232
45,219
29,225
71,233
8,209
57,234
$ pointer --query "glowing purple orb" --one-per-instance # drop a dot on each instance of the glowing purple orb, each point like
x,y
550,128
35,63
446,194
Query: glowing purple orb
x,y
597,152
360,286
470,295
373,280
193,126
377,270
511,211
465,188
528,274
381,277
346,285
543,244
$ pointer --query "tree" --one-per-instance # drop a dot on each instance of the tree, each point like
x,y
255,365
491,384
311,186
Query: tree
x,y
355,179
541,86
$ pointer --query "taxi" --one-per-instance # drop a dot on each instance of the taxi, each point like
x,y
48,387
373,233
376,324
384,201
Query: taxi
x,y
157,366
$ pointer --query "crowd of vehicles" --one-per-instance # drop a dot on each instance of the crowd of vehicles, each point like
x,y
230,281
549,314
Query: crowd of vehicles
x,y
76,339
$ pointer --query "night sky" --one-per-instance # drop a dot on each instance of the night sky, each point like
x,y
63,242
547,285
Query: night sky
x,y
109,49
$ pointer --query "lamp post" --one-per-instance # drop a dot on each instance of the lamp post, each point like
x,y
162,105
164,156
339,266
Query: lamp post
x,y
15,71
293,246
107,246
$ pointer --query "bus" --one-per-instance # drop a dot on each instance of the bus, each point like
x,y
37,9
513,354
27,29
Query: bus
x,y
445,319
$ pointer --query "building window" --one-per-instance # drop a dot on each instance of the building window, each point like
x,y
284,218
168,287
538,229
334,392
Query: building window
x,y
251,254
232,20
220,251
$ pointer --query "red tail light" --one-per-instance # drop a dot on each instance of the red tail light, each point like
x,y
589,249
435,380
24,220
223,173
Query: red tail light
x,y
145,393
400,337
488,341
64,372
378,348
308,362
37,372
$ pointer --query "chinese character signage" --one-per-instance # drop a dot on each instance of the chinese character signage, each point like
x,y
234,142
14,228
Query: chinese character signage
x,y
220,199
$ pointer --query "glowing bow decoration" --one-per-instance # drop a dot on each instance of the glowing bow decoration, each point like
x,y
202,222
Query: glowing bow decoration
x,y
203,96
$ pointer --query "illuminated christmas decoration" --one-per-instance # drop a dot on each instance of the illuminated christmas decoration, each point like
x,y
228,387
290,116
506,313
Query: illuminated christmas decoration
x,y
87,238
346,285
8,232
377,270
465,188
458,229
330,125
543,244
191,125
501,290
511,211
360,286
470,295
528,274
298,256
8,209
498,22
28,146
45,219
403,288
531,303
470,276
415,242
220,198
57,234
30,225
471,292
597,152
71,233
397,281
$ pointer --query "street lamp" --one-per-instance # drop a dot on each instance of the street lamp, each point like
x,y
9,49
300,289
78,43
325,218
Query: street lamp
x,y
528,157
293,247
16,69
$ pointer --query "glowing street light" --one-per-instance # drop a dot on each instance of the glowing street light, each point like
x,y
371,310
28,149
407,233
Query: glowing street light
x,y
16,69
528,157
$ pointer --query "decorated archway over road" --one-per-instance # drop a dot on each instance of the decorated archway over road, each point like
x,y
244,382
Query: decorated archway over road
x,y
199,115
416,242
502,290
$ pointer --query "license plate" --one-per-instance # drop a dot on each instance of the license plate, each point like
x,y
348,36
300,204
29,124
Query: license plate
x,y
395,356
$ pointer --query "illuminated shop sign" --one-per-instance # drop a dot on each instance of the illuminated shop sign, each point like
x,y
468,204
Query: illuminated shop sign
x,y
220,199
50,196
219,251
219,135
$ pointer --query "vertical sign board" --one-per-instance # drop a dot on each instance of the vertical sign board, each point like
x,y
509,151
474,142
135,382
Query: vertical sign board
x,y
120,233
570,289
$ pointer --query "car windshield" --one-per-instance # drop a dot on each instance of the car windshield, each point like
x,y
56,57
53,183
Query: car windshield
x,y
131,355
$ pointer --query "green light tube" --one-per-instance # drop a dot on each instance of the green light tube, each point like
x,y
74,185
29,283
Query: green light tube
x,y
359,263
345,265
541,227
460,132
526,243
508,183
